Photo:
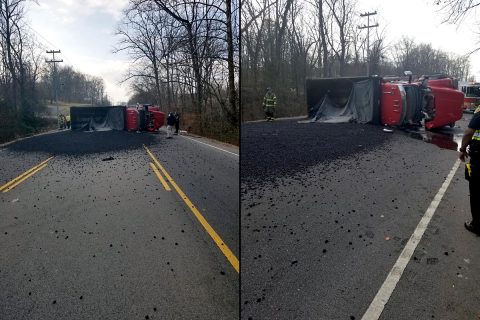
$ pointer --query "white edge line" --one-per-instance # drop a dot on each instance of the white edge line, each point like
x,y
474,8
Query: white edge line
x,y
235,154
383,295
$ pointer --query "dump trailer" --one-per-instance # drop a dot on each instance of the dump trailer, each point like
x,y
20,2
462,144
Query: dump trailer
x,y
384,101
97,118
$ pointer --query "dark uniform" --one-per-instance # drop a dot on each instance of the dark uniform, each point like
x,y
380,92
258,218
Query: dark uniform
x,y
170,124
177,122
472,173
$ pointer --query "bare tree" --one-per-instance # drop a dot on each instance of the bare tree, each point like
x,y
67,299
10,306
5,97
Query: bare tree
x,y
11,33
185,51
342,12
456,11
139,37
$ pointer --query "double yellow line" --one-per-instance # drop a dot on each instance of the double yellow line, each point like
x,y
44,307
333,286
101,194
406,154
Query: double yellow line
x,y
211,232
24,176
160,177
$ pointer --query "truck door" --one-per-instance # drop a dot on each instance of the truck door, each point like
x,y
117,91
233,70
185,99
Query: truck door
x,y
392,104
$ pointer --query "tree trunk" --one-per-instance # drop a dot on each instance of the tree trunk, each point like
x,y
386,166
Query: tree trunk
x,y
323,41
232,93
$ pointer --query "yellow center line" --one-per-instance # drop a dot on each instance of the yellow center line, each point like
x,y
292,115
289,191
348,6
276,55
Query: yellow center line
x,y
214,235
164,183
25,175
24,178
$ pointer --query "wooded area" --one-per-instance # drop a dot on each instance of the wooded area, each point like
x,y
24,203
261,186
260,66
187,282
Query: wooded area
x,y
285,41
20,70
27,81
75,87
184,57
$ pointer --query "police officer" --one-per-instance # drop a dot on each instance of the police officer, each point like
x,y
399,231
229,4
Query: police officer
x,y
177,122
170,124
269,104
471,139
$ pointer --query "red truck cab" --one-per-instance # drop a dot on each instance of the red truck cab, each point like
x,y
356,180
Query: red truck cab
x,y
144,118
436,100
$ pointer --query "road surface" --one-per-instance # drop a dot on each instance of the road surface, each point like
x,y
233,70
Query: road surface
x,y
92,233
326,216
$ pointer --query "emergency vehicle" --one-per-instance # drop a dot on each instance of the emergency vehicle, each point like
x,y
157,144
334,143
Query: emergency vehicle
x,y
472,95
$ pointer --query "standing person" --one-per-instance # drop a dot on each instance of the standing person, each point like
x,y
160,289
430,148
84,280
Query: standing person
x,y
269,104
170,124
177,122
61,121
471,139
67,118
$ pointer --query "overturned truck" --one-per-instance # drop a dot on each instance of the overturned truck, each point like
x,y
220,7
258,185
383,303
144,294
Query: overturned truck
x,y
385,101
136,118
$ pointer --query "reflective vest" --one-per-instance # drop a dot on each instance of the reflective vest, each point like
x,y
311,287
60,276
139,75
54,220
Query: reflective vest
x,y
476,135
270,100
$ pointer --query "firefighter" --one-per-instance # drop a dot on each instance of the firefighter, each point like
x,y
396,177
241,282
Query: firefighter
x,y
269,104
471,139
61,122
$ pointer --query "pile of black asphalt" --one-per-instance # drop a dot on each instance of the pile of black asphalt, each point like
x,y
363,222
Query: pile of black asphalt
x,y
76,142
284,148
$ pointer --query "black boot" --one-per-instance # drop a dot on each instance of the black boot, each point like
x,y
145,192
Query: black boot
x,y
472,228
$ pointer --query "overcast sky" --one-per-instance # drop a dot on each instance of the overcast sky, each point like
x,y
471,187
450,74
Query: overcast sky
x,y
83,30
420,20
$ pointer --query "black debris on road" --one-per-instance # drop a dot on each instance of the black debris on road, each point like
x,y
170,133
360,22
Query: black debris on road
x,y
77,143
98,216
281,148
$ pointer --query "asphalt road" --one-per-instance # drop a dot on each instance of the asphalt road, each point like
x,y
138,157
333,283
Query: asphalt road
x,y
95,235
327,217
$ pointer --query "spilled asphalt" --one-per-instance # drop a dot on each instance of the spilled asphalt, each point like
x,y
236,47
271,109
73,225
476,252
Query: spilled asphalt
x,y
326,219
94,235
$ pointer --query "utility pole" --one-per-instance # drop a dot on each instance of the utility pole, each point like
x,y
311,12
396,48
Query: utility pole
x,y
54,80
368,26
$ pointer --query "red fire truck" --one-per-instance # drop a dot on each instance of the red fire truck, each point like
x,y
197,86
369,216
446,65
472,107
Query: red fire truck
x,y
472,95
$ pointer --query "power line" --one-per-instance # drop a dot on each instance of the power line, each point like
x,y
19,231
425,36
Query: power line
x,y
38,34
49,43
368,26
